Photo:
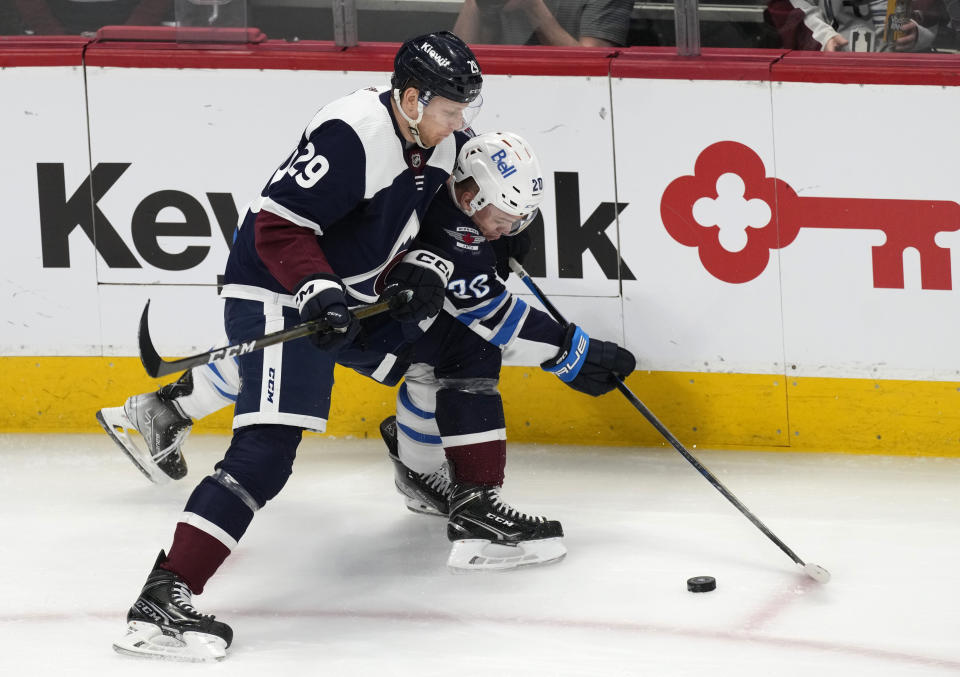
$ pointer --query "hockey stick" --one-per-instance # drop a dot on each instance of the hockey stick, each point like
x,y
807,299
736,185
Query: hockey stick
x,y
814,571
156,366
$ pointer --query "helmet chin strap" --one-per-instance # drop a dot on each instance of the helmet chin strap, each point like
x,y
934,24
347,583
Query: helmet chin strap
x,y
412,124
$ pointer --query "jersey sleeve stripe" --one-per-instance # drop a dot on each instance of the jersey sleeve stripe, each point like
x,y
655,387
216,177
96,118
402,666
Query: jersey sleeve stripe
x,y
511,325
494,319
482,311
267,204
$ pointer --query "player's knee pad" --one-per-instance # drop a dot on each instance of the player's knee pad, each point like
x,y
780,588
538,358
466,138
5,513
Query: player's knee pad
x,y
260,459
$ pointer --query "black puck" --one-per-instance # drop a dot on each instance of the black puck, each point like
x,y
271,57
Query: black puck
x,y
701,584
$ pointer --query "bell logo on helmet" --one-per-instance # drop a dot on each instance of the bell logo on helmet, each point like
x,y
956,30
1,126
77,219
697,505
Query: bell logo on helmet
x,y
443,62
500,157
474,68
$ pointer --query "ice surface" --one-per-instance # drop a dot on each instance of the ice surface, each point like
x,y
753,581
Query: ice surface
x,y
335,577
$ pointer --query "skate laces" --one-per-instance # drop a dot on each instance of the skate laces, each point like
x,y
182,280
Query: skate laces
x,y
502,506
438,481
183,598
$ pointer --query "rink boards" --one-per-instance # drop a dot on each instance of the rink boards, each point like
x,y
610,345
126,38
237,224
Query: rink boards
x,y
784,282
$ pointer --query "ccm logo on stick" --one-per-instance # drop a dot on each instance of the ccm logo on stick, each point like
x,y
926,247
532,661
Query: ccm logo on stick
x,y
232,351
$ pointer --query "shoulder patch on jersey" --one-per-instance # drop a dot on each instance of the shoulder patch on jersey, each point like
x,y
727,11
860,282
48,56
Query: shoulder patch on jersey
x,y
466,238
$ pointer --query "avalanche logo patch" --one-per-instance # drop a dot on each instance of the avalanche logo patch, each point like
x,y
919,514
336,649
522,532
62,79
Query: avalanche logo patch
x,y
381,281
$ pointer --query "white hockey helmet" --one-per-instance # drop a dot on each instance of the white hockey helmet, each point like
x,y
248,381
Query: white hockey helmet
x,y
507,173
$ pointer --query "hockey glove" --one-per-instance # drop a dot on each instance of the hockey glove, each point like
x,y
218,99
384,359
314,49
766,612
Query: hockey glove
x,y
321,297
511,246
425,273
589,365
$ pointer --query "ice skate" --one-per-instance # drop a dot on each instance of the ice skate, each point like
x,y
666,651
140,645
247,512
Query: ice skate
x,y
163,624
161,422
488,534
427,494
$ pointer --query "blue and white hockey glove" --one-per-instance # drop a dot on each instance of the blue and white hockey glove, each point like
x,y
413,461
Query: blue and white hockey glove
x,y
589,365
425,273
322,297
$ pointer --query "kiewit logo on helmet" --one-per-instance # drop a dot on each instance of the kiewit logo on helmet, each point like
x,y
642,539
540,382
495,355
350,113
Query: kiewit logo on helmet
x,y
500,157
428,48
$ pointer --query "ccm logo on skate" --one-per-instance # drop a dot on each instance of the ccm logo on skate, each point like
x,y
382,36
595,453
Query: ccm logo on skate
x,y
147,610
499,520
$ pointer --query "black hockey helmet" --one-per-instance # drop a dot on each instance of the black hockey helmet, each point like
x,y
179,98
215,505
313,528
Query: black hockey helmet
x,y
438,64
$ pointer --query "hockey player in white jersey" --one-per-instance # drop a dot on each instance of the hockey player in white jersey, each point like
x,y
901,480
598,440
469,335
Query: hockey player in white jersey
x,y
332,229
495,191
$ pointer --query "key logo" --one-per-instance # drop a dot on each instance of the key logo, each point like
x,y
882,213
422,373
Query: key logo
x,y
735,215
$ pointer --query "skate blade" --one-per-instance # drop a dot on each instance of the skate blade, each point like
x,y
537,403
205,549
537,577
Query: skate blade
x,y
116,424
145,640
416,504
479,554
421,507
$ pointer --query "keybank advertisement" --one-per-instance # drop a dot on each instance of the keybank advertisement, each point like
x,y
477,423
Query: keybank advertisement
x,y
735,237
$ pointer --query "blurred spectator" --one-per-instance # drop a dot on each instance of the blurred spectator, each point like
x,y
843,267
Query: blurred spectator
x,y
570,23
853,25
76,17
950,34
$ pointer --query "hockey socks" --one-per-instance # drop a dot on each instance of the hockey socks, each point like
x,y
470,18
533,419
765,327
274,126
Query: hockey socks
x,y
474,435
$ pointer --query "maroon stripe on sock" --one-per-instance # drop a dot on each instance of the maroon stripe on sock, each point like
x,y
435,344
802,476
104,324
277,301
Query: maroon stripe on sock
x,y
194,556
480,463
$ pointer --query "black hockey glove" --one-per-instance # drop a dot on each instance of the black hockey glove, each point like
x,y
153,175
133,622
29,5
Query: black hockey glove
x,y
322,297
425,273
589,365
511,246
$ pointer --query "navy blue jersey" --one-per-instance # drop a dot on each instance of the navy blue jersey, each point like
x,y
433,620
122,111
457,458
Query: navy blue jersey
x,y
348,200
477,297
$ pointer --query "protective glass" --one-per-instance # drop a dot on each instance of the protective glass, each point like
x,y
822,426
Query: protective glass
x,y
523,222
448,112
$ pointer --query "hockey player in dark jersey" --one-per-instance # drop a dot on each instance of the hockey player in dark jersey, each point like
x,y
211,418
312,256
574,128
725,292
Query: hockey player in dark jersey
x,y
456,363
332,229
448,408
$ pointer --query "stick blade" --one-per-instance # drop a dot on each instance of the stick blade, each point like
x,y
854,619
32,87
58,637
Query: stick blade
x,y
816,572
149,357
